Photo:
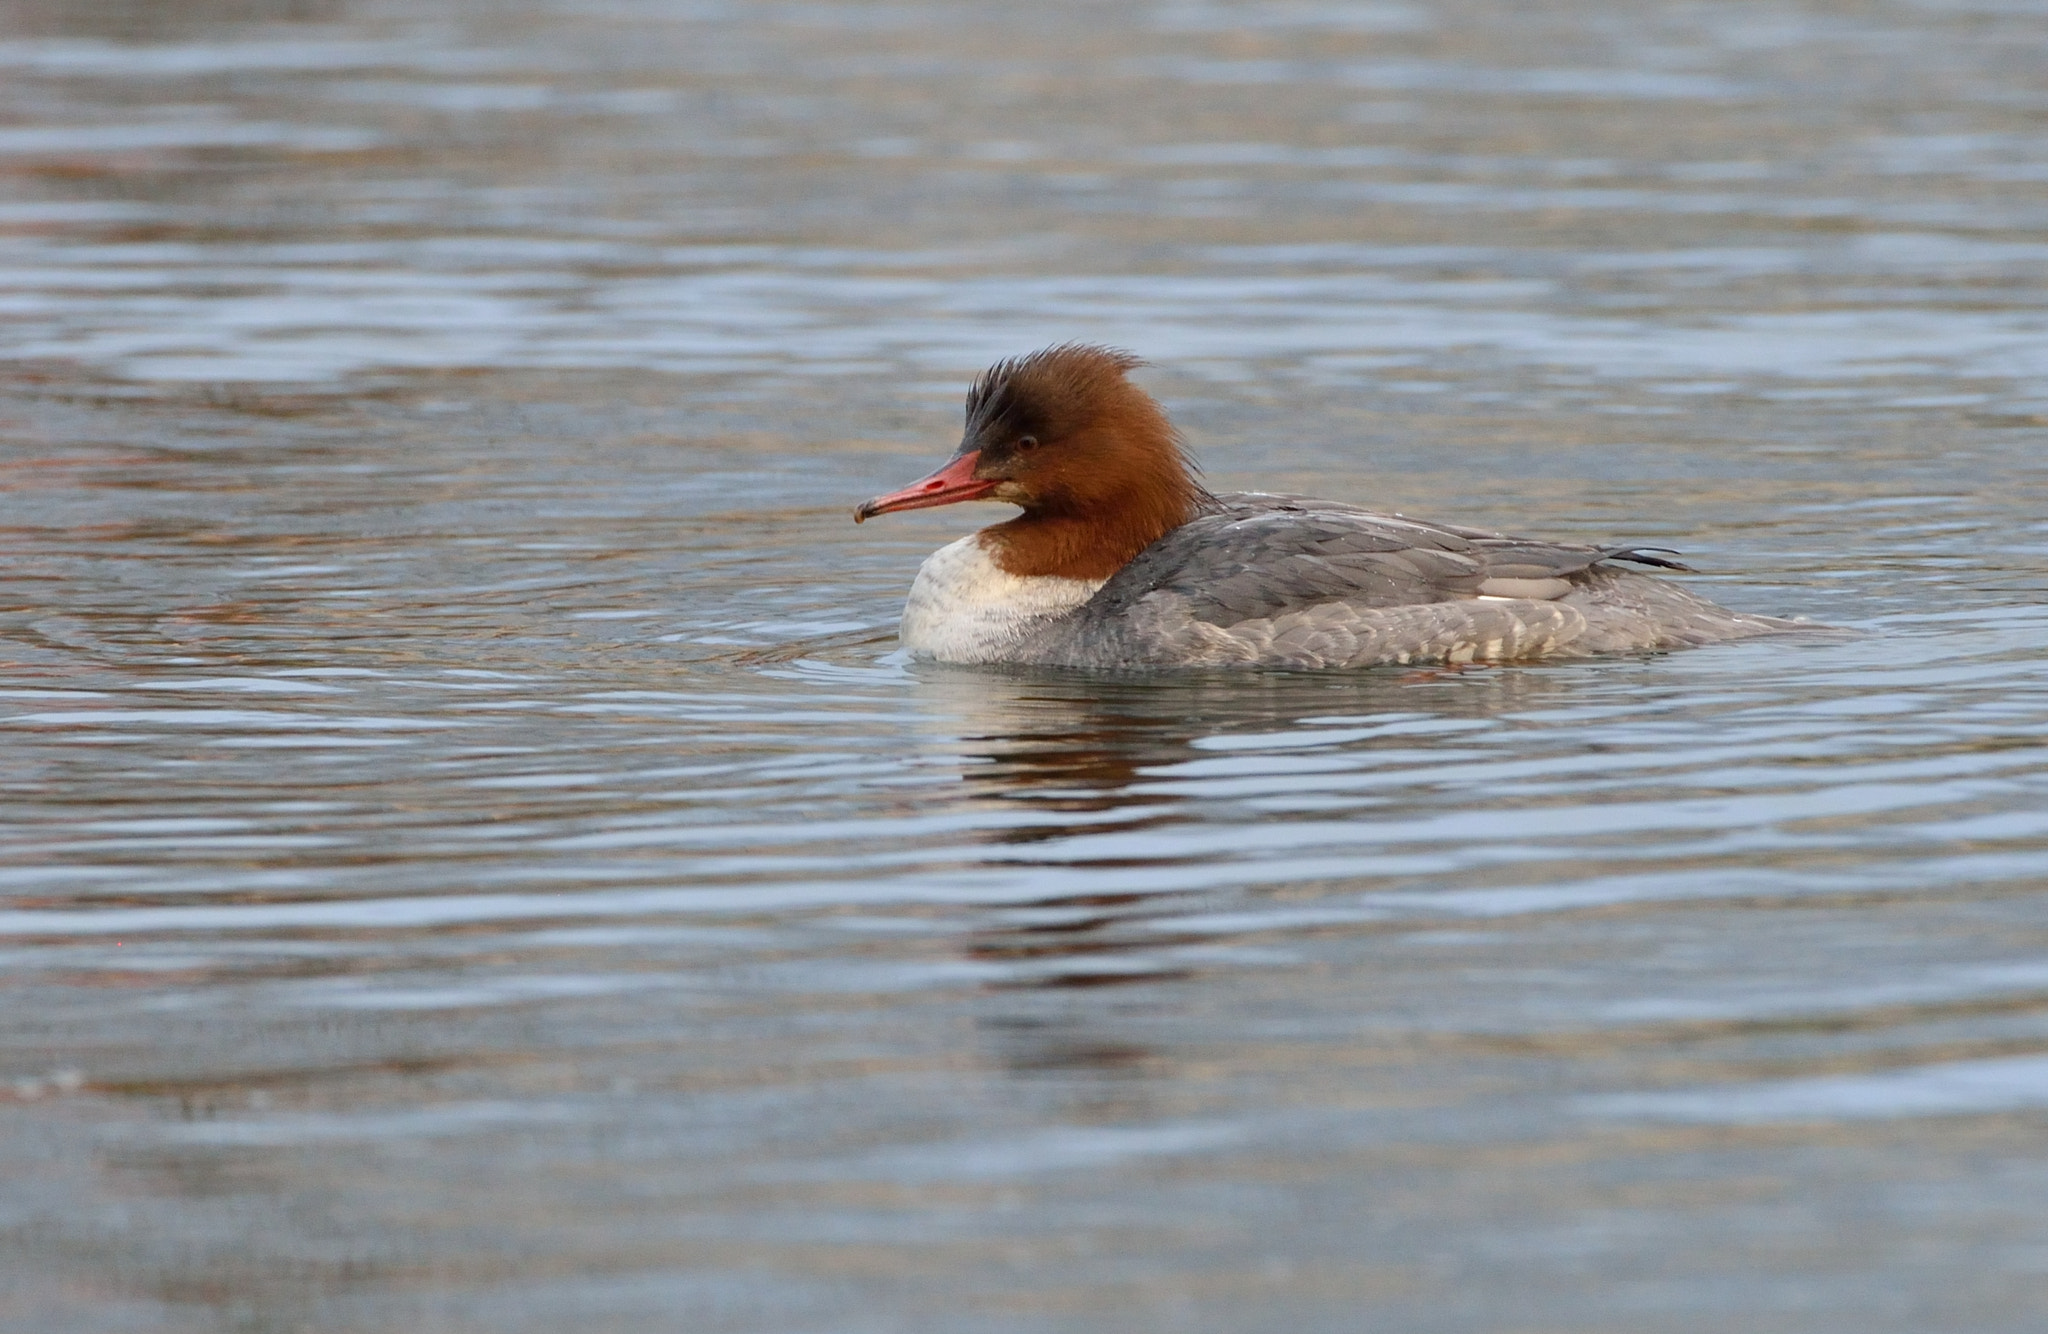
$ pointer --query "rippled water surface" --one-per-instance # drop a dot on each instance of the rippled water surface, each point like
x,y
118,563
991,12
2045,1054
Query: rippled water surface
x,y
473,861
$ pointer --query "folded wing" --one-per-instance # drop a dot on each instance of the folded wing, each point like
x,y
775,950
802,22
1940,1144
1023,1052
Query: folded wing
x,y
1288,581
1260,556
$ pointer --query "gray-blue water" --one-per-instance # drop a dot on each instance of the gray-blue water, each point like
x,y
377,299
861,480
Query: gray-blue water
x,y
471,861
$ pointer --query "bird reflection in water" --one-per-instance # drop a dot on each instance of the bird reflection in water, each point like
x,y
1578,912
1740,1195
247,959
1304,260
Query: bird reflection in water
x,y
1111,752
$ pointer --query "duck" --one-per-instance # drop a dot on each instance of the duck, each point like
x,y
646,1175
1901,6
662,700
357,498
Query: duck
x,y
1122,560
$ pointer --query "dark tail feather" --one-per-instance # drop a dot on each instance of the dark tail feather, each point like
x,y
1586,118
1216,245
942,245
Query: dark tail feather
x,y
1657,556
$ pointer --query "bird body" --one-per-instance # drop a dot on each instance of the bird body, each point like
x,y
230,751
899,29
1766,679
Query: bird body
x,y
1121,560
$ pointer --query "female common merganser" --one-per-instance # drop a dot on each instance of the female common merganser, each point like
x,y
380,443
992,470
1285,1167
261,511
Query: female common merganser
x,y
1121,559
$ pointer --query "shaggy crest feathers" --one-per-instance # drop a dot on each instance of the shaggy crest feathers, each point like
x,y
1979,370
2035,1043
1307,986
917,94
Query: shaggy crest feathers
x,y
1017,394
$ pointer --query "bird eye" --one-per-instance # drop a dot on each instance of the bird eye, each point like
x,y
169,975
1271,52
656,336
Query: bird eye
x,y
1027,442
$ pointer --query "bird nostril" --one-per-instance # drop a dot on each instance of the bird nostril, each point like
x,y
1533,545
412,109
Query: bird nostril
x,y
933,486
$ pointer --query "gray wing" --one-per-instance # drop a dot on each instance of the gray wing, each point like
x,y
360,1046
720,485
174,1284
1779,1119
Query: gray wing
x,y
1257,557
1293,582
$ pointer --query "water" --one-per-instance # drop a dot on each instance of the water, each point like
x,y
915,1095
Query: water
x,y
472,861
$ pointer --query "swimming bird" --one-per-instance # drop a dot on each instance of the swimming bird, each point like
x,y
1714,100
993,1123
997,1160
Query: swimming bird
x,y
1121,558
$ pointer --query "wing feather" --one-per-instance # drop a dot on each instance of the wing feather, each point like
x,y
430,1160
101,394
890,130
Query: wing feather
x,y
1257,557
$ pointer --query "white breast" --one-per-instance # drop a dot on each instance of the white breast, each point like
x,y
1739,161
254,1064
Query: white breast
x,y
966,608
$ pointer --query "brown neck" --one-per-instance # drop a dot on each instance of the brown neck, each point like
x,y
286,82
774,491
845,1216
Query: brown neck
x,y
1092,543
